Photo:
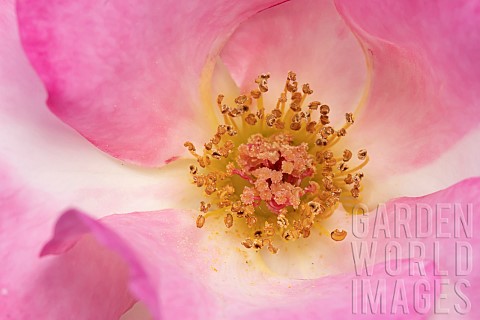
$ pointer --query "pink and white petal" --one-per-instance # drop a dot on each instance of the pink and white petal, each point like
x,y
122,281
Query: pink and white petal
x,y
61,288
53,158
425,79
345,297
305,36
180,271
443,224
160,253
458,163
127,76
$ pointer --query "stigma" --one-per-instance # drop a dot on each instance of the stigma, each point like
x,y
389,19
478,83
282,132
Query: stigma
x,y
276,172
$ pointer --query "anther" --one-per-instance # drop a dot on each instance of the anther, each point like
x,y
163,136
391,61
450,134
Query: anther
x,y
247,243
313,105
357,178
216,139
251,221
272,249
324,119
343,166
282,221
204,206
347,155
260,113
257,244
338,235
190,147
349,179
193,169
200,221
295,126
250,119
362,154
208,145
311,126
236,206
255,94
292,76
327,154
268,230
314,207
292,86
241,99
234,112
306,89
210,189
342,132
262,82
228,220
349,117
306,232
277,113
329,130
355,192
324,109
287,235
270,120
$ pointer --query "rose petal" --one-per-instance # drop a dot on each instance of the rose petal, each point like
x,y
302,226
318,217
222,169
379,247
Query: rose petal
x,y
425,79
434,222
181,272
126,76
152,247
138,312
34,288
55,159
307,37
345,297
434,176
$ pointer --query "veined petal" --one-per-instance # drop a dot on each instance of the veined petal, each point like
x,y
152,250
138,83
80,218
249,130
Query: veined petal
x,y
47,155
127,76
309,38
426,75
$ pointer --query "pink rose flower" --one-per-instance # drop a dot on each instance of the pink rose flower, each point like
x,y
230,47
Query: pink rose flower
x,y
138,79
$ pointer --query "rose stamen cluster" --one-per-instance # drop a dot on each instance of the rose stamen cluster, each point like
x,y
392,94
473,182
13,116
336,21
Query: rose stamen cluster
x,y
276,169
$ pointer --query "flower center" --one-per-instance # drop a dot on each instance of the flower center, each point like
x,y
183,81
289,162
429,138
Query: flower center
x,y
275,172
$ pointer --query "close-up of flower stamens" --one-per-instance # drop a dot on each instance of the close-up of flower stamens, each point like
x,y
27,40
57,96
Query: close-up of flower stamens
x,y
274,171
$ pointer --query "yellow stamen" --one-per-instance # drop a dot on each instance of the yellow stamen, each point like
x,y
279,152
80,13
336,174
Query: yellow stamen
x,y
273,174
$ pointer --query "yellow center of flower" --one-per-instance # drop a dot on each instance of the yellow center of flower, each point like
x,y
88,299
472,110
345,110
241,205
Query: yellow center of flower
x,y
274,171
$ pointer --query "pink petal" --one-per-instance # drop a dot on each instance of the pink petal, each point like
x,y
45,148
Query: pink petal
x,y
127,76
426,75
180,271
156,248
435,221
307,37
55,159
433,176
331,297
60,288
